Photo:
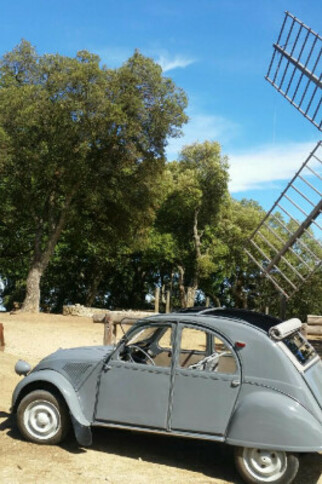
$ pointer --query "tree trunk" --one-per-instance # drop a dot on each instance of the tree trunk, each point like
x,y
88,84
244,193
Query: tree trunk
x,y
92,292
196,235
182,291
191,296
216,301
239,294
192,289
188,295
32,299
42,257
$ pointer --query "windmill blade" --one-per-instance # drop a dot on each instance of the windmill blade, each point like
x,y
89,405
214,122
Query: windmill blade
x,y
286,246
296,68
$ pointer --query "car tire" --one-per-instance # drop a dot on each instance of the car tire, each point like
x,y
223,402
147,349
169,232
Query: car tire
x,y
43,418
258,466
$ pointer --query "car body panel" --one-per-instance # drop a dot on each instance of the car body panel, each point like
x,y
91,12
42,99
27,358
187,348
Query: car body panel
x,y
141,398
313,377
208,401
266,419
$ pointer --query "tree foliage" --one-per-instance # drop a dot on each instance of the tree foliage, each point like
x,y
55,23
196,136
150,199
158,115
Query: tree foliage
x,y
194,204
78,137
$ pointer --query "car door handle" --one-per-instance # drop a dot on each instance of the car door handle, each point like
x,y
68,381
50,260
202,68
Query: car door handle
x,y
235,383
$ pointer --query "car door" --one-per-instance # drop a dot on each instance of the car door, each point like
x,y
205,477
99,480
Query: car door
x,y
134,386
206,382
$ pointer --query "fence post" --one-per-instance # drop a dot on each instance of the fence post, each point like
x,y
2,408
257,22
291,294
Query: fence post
x,y
167,304
109,331
157,300
2,344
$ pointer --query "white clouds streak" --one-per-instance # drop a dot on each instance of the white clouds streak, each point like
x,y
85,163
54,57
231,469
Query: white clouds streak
x,y
263,167
176,62
115,56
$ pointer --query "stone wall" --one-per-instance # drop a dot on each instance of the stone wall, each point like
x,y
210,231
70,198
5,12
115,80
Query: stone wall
x,y
79,310
117,316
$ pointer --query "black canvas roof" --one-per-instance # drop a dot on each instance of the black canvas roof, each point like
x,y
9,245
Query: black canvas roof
x,y
260,320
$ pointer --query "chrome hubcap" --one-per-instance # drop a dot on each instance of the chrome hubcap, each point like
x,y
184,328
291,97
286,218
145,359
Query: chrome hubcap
x,y
41,419
265,465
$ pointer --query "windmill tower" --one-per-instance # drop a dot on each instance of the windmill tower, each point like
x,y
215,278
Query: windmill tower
x,y
286,244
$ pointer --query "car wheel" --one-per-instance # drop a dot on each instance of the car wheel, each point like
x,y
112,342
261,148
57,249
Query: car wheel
x,y
266,466
43,418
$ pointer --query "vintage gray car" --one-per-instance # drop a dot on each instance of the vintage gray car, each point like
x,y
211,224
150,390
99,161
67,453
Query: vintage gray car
x,y
238,377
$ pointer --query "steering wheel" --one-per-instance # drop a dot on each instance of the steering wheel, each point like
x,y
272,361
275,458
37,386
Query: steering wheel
x,y
210,362
138,348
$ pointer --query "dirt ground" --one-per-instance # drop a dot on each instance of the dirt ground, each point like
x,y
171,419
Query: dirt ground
x,y
116,456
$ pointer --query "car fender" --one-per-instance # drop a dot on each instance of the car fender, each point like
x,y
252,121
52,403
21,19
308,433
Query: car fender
x,y
82,427
268,419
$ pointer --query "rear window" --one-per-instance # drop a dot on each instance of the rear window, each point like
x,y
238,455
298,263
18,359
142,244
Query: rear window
x,y
300,348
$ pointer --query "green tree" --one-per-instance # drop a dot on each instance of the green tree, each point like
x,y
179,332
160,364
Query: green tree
x,y
72,135
229,283
199,191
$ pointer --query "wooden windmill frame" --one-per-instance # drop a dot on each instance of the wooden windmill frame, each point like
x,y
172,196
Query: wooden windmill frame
x,y
286,245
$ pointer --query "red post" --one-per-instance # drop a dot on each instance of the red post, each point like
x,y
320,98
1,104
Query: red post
x,y
1,335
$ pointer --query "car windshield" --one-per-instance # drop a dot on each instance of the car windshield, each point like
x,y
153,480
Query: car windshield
x,y
300,348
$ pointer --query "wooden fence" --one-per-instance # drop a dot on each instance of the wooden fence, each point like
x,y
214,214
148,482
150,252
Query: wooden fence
x,y
313,326
117,322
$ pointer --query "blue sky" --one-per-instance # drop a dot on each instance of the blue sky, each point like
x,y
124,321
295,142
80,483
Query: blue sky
x,y
218,51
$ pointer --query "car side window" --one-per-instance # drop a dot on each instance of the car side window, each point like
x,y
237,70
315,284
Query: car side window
x,y
150,345
203,351
226,361
193,347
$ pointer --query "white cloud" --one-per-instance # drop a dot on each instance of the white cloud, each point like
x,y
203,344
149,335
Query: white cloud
x,y
114,56
263,167
168,64
202,127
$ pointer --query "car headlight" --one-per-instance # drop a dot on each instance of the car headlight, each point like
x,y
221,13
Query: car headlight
x,y
22,368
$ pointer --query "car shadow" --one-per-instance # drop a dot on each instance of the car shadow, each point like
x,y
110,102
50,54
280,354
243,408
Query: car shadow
x,y
214,460
8,424
4,414
211,459
310,469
